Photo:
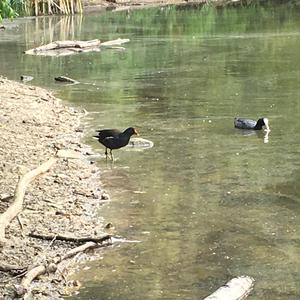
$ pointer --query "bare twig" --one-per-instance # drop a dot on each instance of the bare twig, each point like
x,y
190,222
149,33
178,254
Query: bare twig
x,y
71,238
20,223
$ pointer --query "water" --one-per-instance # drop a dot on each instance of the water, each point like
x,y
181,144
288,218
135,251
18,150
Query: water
x,y
207,202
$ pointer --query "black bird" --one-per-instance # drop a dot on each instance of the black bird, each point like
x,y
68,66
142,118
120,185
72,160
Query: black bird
x,y
115,139
243,123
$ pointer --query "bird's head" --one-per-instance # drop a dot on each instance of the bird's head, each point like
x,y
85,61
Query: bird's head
x,y
135,132
131,131
266,123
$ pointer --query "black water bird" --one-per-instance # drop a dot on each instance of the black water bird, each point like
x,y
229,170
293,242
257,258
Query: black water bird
x,y
115,139
243,123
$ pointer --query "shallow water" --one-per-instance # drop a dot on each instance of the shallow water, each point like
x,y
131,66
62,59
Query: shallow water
x,y
208,202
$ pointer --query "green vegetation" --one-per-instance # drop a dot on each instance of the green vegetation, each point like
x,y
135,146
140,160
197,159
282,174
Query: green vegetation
x,y
6,9
14,8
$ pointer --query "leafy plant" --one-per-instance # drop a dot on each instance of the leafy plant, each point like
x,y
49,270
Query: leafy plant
x,y
6,10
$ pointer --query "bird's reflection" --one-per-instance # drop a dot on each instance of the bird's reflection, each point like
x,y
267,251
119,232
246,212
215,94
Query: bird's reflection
x,y
263,135
266,136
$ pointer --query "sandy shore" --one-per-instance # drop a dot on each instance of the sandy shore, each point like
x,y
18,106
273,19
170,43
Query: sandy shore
x,y
33,126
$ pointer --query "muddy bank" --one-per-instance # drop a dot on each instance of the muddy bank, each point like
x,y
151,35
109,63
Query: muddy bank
x,y
96,5
33,126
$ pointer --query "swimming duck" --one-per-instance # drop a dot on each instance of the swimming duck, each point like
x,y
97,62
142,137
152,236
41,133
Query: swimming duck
x,y
115,139
243,123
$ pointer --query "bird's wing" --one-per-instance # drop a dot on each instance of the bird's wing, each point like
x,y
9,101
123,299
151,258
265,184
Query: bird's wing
x,y
244,123
102,134
110,141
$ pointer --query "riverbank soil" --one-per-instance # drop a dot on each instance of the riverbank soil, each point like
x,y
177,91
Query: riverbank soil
x,y
34,125
117,5
91,5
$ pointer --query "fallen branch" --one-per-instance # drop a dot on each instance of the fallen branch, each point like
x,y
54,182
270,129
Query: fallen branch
x,y
64,44
17,205
4,267
237,288
22,289
79,249
70,238
31,275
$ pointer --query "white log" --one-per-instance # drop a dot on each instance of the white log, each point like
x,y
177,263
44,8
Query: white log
x,y
70,47
236,289
116,42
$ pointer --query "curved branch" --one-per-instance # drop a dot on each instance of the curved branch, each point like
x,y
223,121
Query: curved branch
x,y
23,288
17,205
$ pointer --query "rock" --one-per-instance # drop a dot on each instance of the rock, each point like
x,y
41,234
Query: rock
x,y
140,143
26,78
105,196
5,197
109,226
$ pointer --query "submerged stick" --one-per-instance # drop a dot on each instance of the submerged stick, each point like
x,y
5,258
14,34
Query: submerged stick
x,y
65,79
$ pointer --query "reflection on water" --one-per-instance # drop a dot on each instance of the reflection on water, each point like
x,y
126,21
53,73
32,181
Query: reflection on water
x,y
266,136
206,202
262,135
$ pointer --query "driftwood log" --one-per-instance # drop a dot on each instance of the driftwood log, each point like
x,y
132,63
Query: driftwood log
x,y
62,48
237,288
66,44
